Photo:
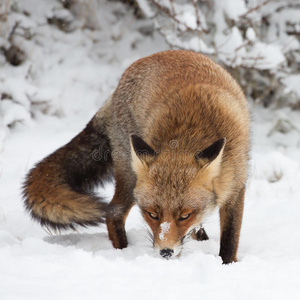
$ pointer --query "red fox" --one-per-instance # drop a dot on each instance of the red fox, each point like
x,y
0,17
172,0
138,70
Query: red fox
x,y
175,137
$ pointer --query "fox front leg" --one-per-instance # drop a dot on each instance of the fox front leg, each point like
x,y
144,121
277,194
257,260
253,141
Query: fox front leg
x,y
199,234
231,215
118,211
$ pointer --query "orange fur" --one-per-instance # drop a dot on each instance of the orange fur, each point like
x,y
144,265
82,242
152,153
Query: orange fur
x,y
175,135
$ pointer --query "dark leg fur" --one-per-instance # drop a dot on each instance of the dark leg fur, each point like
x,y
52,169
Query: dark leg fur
x,y
231,220
116,223
118,211
201,235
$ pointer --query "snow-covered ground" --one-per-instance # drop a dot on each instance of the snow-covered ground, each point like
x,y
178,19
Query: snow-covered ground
x,y
68,77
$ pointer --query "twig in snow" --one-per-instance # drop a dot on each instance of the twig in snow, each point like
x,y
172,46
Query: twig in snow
x,y
280,126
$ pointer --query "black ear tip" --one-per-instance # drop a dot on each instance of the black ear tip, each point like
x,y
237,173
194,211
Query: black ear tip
x,y
212,151
218,145
222,141
141,147
135,138
137,142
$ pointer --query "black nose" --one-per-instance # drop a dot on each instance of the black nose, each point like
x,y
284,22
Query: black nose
x,y
166,253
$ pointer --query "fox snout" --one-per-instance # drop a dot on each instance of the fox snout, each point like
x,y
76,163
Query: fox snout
x,y
166,253
167,240
169,229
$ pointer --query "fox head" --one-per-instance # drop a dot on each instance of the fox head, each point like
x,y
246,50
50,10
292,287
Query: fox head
x,y
174,190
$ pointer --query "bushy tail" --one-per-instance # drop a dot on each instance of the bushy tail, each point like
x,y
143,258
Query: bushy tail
x,y
58,191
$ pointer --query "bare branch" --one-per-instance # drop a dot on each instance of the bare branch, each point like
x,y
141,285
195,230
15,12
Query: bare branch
x,y
255,8
196,11
173,17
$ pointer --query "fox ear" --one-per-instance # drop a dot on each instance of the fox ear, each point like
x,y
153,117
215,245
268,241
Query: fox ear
x,y
211,157
211,152
141,152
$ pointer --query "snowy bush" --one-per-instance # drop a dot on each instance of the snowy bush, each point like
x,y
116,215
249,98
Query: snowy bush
x,y
256,40
57,57
52,53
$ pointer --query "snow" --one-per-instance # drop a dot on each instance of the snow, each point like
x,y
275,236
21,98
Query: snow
x,y
65,79
250,34
186,15
146,8
12,112
266,56
164,228
233,9
292,84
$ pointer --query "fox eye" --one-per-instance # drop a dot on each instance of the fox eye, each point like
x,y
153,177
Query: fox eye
x,y
153,215
184,217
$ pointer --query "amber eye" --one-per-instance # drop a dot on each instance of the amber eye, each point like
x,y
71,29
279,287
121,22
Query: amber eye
x,y
184,217
153,215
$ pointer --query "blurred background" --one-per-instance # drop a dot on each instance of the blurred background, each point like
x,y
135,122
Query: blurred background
x,y
43,42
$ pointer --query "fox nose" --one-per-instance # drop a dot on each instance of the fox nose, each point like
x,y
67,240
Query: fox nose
x,y
166,253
